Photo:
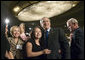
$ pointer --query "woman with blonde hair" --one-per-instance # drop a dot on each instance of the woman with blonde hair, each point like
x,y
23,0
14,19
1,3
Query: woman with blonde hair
x,y
15,42
23,33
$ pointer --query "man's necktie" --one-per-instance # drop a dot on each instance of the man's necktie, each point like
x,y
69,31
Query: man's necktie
x,y
46,40
46,35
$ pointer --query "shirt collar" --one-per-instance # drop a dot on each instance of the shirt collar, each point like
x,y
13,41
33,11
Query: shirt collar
x,y
48,29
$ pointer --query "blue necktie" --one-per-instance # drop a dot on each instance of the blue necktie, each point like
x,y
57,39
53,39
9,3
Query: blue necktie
x,y
46,35
46,40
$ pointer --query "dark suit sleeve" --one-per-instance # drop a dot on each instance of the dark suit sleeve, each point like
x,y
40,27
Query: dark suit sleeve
x,y
65,49
79,39
79,42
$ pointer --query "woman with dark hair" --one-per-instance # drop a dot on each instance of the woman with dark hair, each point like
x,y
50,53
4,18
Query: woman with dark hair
x,y
33,48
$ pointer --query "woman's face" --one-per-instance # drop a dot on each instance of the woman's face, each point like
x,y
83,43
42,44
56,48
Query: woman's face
x,y
16,32
22,26
38,33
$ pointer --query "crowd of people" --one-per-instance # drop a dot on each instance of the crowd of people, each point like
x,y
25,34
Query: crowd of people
x,y
45,42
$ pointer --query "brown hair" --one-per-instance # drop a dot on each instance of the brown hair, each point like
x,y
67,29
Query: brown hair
x,y
33,32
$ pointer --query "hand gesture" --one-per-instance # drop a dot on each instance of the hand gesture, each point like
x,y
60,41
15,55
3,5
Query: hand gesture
x,y
47,51
6,29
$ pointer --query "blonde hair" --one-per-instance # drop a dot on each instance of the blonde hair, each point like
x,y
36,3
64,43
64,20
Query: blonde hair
x,y
12,29
22,27
72,20
22,24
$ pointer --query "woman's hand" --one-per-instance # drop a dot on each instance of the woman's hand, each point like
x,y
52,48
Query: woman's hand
x,y
9,55
6,29
47,51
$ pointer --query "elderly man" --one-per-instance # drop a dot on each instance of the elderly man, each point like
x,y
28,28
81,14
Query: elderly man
x,y
55,40
77,44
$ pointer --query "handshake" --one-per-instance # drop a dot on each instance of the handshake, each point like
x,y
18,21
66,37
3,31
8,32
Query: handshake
x,y
46,51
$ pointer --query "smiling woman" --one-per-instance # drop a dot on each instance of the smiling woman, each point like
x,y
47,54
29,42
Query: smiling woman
x,y
15,42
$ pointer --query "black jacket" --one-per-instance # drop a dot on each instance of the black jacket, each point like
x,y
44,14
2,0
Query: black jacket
x,y
77,45
57,41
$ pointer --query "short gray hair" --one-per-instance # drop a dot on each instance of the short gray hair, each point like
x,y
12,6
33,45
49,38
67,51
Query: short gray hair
x,y
41,21
72,20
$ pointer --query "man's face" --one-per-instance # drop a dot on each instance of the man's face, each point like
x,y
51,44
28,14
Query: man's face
x,y
70,26
46,23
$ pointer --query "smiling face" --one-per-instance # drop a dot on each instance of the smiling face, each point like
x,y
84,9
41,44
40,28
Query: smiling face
x,y
46,23
22,27
16,32
37,33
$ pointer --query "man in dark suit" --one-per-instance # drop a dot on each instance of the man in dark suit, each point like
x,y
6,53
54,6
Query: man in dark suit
x,y
77,44
55,40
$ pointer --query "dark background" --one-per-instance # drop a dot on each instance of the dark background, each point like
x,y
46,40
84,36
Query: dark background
x,y
57,21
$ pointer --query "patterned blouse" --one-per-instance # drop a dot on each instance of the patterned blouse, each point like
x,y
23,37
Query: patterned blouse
x,y
16,48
